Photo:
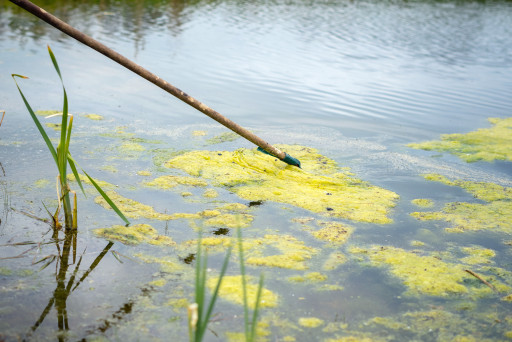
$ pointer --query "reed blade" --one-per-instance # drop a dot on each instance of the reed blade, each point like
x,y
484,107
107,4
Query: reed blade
x,y
37,122
107,199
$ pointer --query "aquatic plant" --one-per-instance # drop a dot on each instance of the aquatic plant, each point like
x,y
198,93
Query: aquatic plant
x,y
62,157
198,318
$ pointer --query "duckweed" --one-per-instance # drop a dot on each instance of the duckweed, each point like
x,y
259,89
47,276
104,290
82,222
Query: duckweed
x,y
485,144
231,290
134,235
131,147
495,215
321,186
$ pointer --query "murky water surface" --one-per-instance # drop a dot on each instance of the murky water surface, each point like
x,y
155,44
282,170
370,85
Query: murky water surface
x,y
347,252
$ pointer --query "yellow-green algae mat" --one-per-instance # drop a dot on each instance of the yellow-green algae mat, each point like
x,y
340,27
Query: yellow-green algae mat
x,y
320,186
486,144
495,214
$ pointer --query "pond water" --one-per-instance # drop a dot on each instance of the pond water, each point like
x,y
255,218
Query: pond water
x,y
347,252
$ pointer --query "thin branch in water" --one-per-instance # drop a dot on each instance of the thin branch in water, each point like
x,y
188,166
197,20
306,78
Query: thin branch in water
x,y
482,280
2,119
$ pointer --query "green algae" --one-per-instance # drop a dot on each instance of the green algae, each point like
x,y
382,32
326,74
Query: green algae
x,y
198,133
135,234
478,255
144,173
41,183
291,252
210,193
321,186
110,168
54,126
131,208
311,277
333,261
223,137
423,202
94,117
420,325
130,146
485,144
494,215
421,274
167,264
231,290
310,322
169,182
335,232
86,180
47,112
294,253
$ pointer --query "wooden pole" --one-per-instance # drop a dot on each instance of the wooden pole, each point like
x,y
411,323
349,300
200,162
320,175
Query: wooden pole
x,y
139,70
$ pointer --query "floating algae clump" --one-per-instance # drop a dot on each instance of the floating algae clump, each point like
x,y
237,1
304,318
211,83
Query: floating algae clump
x,y
310,322
478,255
95,117
486,144
223,137
423,202
321,186
231,290
169,182
335,232
134,235
421,274
494,215
132,208
294,253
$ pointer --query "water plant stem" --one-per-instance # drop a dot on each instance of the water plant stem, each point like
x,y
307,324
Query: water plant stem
x,y
144,73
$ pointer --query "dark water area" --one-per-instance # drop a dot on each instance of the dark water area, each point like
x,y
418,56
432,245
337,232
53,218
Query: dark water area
x,y
357,80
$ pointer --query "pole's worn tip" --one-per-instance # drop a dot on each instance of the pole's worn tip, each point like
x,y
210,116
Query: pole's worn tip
x,y
287,158
291,161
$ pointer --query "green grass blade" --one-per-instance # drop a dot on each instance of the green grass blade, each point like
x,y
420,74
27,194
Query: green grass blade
x,y
211,305
255,313
244,282
54,61
72,165
107,199
201,264
36,121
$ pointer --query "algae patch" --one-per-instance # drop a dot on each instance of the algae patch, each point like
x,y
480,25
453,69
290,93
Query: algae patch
x,y
495,215
169,182
421,274
134,235
321,186
486,144
231,290
223,137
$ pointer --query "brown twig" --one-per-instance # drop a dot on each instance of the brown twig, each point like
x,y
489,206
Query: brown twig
x,y
3,114
482,280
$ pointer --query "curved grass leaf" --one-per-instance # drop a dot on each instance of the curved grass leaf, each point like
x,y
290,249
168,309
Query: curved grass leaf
x,y
107,199
36,121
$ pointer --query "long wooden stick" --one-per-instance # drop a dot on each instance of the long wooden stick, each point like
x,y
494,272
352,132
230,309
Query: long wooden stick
x,y
139,70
